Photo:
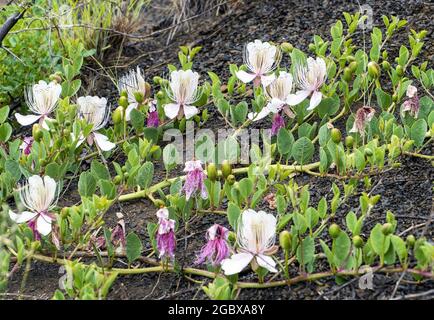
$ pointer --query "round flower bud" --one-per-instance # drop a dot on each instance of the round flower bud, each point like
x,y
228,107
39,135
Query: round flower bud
x,y
399,71
285,240
159,203
124,93
358,241
368,152
232,237
336,135
334,231
36,132
117,179
118,115
286,47
139,97
55,77
386,65
348,74
211,171
156,79
226,169
123,101
353,66
373,69
160,95
387,229
231,179
411,240
312,47
349,141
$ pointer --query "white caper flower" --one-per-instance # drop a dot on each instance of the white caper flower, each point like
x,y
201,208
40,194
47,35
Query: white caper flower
x,y
134,84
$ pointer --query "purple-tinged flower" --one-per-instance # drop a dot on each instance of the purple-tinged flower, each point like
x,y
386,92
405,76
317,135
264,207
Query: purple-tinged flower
x,y
261,58
309,79
26,146
39,196
118,234
412,104
278,123
195,179
217,248
166,241
133,83
364,115
153,120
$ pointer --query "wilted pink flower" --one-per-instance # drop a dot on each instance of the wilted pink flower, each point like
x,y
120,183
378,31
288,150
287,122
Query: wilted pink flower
x,y
26,146
412,104
166,241
195,179
278,122
216,249
153,120
364,115
118,233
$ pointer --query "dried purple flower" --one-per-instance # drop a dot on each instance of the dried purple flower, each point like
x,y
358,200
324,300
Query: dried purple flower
x,y
412,104
216,249
118,233
153,120
195,179
26,146
363,116
166,241
278,122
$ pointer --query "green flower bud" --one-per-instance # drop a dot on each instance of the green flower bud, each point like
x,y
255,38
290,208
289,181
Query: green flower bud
x,y
159,203
117,179
160,95
139,97
387,229
211,171
124,93
358,241
36,132
349,141
312,47
348,74
118,115
232,237
353,66
334,231
336,135
55,77
286,47
156,79
226,169
373,69
231,179
399,71
285,240
368,152
123,101
411,240
385,65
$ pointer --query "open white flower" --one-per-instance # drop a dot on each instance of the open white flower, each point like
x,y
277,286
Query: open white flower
x,y
96,112
183,92
41,99
133,82
309,78
39,196
255,238
278,91
261,58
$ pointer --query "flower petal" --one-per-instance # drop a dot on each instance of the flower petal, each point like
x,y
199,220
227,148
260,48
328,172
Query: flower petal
x,y
129,109
260,115
103,142
294,99
267,80
43,225
236,263
26,120
190,111
266,262
315,100
21,217
245,77
171,110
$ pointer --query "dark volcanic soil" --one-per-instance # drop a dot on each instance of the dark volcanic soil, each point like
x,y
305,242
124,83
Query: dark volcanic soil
x,y
406,191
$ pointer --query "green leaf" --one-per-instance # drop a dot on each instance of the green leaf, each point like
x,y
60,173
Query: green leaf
x,y
306,251
86,184
351,221
341,248
418,131
13,169
5,132
302,150
328,106
4,112
145,174
234,213
245,187
379,242
53,170
400,248
107,189
137,120
285,140
99,170
133,247
384,100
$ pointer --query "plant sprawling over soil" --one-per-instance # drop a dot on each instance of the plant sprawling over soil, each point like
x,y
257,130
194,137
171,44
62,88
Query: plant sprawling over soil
x,y
341,112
